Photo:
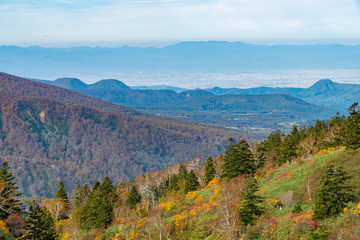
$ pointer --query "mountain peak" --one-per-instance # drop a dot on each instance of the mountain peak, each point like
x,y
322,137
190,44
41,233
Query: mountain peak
x,y
108,84
323,84
70,83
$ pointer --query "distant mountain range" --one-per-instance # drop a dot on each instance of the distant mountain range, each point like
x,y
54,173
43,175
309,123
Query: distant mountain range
x,y
338,96
212,57
49,133
246,109
324,93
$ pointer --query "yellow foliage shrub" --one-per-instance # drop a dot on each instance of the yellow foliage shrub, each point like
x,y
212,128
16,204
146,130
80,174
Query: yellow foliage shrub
x,y
191,195
199,198
217,191
326,151
167,205
3,226
271,200
357,210
212,183
131,236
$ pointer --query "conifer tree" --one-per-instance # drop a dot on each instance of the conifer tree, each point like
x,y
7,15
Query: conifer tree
x,y
98,211
106,206
209,170
84,193
61,193
9,204
238,160
182,173
77,196
173,183
250,208
334,193
133,197
39,224
191,183
289,146
350,131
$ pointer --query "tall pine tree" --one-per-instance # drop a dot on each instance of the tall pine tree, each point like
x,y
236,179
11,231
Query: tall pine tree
x,y
250,208
61,193
182,172
77,196
133,198
173,183
9,204
98,211
209,170
191,183
39,224
350,131
238,160
334,193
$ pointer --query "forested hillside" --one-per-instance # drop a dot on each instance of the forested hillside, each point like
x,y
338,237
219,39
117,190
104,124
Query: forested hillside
x,y
301,185
45,140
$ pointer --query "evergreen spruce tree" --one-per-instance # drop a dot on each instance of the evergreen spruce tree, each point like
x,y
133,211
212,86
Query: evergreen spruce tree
x,y
334,193
61,193
133,197
182,173
84,193
191,183
108,202
96,185
173,183
238,160
39,224
9,204
77,196
98,211
350,131
209,170
289,146
250,208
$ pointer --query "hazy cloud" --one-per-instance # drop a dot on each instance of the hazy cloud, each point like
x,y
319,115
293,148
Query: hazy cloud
x,y
56,21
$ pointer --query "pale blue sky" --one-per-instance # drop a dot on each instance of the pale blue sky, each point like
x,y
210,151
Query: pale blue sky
x,y
158,22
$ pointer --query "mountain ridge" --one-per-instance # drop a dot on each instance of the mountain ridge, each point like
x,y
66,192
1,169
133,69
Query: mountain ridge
x,y
182,57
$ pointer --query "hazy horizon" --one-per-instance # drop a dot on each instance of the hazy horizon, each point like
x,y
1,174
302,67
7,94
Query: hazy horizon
x,y
108,22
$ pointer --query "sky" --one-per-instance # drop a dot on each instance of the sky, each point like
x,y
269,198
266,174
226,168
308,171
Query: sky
x,y
113,23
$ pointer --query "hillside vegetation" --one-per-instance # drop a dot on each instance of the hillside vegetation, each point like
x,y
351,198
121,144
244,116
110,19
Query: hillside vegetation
x,y
79,139
303,185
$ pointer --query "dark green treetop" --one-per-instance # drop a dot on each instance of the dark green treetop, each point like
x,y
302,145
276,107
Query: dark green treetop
x,y
191,183
334,193
209,170
8,193
250,207
238,160
39,224
133,197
